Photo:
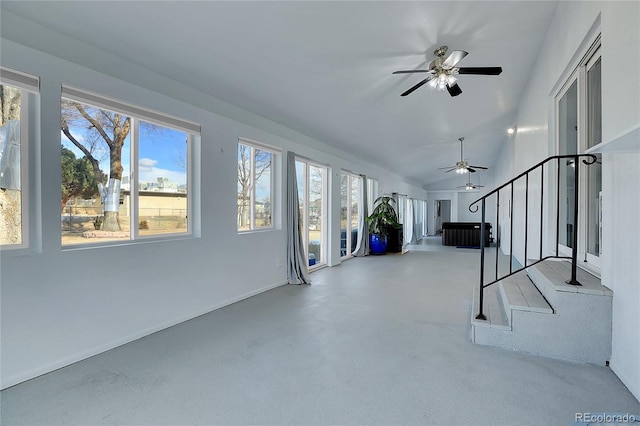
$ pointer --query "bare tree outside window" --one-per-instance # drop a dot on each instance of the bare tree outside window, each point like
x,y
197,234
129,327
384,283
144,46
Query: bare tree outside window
x,y
99,133
254,187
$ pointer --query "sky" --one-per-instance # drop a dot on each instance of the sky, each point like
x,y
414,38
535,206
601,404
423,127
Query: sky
x,y
162,153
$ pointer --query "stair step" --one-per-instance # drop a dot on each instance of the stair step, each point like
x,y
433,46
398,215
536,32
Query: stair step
x,y
556,273
519,293
493,310
545,316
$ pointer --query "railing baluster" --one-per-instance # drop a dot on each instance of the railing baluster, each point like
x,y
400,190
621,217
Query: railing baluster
x,y
574,249
511,232
481,315
526,217
558,210
497,228
541,207
525,174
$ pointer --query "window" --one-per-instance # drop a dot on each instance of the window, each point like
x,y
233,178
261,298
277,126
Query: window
x,y
18,93
349,200
255,186
579,127
312,196
126,171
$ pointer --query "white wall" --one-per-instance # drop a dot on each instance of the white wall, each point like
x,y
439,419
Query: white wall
x,y
59,306
571,30
447,189
620,183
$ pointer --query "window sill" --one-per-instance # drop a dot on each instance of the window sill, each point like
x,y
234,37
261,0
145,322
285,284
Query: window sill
x,y
121,243
628,141
256,231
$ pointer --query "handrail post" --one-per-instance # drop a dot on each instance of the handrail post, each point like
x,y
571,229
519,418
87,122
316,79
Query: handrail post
x,y
541,208
526,218
574,249
481,315
558,209
511,231
497,230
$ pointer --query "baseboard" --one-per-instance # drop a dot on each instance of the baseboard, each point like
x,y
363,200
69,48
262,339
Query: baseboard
x,y
7,382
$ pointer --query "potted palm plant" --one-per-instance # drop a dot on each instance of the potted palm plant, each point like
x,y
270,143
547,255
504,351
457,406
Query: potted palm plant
x,y
383,221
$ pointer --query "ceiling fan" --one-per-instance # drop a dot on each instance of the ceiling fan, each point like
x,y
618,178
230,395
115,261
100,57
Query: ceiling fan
x,y
442,72
469,186
462,166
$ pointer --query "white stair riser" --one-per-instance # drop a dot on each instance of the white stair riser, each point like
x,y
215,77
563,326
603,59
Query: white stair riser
x,y
578,328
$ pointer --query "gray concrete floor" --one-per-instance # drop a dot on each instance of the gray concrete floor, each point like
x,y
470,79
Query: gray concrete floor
x,y
376,340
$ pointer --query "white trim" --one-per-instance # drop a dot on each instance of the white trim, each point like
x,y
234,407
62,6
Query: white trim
x,y
101,101
134,138
586,57
274,152
627,141
260,145
19,79
26,144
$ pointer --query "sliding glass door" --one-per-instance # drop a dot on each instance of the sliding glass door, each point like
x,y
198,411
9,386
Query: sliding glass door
x,y
349,212
312,197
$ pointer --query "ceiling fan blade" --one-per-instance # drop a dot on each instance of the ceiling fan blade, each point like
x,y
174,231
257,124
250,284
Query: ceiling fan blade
x,y
454,90
455,57
470,169
480,70
448,167
408,92
461,186
480,167
450,170
409,71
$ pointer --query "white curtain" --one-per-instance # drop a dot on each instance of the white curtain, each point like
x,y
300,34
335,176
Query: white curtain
x,y
408,221
297,266
362,247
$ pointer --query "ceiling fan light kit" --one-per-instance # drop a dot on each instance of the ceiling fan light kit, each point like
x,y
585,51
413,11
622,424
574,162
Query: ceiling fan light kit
x,y
462,166
442,71
470,186
460,169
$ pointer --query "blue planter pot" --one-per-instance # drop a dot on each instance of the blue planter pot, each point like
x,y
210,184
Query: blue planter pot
x,y
378,243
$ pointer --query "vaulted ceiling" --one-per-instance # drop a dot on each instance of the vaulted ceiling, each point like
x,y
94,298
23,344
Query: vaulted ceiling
x,y
325,68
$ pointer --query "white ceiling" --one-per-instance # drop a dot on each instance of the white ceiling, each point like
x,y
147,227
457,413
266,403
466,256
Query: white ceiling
x,y
324,68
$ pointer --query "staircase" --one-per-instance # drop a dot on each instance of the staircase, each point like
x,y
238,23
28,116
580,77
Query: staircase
x,y
537,312
547,307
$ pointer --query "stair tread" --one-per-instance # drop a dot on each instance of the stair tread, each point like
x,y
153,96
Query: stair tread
x,y
557,273
519,293
496,317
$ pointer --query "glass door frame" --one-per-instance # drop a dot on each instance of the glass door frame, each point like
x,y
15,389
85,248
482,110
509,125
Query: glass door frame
x,y
579,75
351,178
324,219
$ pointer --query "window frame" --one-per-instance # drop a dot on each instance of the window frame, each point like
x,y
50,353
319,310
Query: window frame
x,y
592,55
351,178
275,153
324,235
29,86
140,114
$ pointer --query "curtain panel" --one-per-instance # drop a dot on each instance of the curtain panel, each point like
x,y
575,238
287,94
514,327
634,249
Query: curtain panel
x,y
297,266
362,247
